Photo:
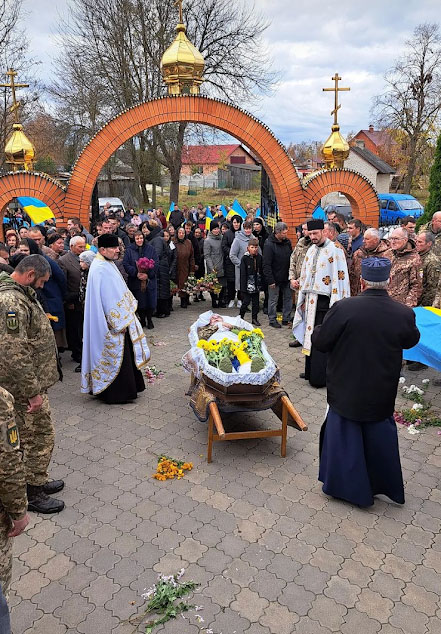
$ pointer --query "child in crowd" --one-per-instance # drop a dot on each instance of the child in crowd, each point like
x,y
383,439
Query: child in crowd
x,y
251,277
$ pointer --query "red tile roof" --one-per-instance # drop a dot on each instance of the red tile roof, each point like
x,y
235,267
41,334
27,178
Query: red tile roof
x,y
378,137
207,154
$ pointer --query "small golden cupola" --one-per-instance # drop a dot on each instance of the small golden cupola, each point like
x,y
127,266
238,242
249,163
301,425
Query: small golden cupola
x,y
19,151
335,149
182,65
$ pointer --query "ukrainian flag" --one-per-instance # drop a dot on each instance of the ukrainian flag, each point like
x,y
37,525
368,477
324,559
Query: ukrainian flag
x,y
223,210
258,213
428,349
237,210
208,219
172,208
37,211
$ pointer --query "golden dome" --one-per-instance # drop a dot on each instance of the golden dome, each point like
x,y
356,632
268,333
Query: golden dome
x,y
182,65
335,150
20,152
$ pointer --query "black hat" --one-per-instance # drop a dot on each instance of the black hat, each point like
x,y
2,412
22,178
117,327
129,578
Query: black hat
x,y
214,225
375,269
108,240
315,224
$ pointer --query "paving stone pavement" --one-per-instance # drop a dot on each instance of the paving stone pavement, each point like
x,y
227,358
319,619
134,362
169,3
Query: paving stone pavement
x,y
272,554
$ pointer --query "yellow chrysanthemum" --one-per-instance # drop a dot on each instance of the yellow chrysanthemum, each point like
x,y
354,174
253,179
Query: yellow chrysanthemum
x,y
257,331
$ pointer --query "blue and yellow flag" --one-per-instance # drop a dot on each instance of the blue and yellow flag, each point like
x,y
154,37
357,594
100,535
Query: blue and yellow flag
x,y
223,210
37,211
208,219
172,208
237,210
258,213
428,349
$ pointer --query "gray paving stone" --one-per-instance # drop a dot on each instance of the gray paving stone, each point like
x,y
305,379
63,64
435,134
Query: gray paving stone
x,y
47,623
99,621
51,597
408,619
74,610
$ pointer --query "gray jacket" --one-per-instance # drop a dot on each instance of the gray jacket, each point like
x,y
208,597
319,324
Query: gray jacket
x,y
214,257
238,248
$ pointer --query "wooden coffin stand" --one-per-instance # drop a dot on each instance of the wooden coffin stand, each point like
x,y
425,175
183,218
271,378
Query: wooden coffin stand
x,y
240,393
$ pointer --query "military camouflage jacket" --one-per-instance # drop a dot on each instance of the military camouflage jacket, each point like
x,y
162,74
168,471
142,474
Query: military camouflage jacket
x,y
297,257
28,363
437,300
431,271
13,498
382,250
436,249
406,276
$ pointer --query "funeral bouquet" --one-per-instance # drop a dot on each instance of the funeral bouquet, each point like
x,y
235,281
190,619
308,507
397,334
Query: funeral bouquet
x,y
228,356
207,283
144,265
421,414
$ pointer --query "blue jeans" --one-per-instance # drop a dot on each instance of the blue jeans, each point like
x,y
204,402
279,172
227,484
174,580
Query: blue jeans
x,y
273,296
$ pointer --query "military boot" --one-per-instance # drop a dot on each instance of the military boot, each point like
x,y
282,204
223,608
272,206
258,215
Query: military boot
x,y
53,486
40,502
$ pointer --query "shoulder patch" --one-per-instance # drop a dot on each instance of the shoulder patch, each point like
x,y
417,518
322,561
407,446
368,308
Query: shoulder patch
x,y
10,436
12,324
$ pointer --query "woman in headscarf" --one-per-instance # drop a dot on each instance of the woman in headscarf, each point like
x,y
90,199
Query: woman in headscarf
x,y
142,284
229,268
185,263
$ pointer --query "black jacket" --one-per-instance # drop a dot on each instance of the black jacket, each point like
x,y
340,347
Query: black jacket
x,y
276,258
251,271
364,337
262,235
227,241
176,218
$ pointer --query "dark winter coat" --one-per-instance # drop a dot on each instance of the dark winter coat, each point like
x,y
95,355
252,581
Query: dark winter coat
x,y
54,292
227,241
251,273
147,298
276,260
184,261
70,265
176,218
364,337
156,240
262,235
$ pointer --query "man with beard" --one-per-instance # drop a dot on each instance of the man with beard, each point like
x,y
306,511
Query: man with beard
x,y
295,268
28,370
323,281
114,343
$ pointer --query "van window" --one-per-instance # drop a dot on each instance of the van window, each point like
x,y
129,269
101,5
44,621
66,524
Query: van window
x,y
392,205
383,204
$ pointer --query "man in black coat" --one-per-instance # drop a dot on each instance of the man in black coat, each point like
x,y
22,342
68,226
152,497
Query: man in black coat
x,y
364,337
276,259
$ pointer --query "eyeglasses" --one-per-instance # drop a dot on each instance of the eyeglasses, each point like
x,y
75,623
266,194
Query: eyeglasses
x,y
397,239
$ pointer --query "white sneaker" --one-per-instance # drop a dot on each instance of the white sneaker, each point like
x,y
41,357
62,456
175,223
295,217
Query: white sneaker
x,y
239,304
231,304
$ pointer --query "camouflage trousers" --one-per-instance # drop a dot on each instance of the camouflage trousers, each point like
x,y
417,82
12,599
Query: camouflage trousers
x,y
5,553
37,438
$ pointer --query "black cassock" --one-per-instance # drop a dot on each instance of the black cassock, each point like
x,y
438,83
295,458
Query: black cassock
x,y
360,460
364,338
315,362
129,380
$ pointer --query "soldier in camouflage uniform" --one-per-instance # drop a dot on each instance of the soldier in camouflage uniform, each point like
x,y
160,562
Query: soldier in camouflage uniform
x,y
13,500
27,370
295,268
434,226
431,267
373,247
405,276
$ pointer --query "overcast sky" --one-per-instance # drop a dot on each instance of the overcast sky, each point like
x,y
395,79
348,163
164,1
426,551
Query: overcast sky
x,y
308,40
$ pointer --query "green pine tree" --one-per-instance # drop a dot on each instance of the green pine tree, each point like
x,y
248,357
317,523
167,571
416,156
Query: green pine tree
x,y
434,202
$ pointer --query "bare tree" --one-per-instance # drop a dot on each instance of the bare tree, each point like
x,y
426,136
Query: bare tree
x,y
112,51
412,101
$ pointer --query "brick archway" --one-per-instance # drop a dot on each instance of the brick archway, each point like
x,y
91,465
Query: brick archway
x,y
213,112
358,190
32,184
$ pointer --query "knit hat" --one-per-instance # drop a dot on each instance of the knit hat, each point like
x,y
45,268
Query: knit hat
x,y
214,225
87,256
343,238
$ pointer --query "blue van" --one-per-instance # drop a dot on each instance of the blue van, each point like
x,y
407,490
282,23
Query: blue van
x,y
393,207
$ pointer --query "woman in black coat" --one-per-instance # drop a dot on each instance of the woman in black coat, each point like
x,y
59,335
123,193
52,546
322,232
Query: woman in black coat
x,y
165,302
146,297
229,268
155,239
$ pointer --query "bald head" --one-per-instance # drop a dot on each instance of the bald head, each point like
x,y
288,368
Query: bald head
x,y
398,239
436,221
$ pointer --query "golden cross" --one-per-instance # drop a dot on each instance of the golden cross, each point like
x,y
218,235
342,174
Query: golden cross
x,y
12,85
336,90
178,3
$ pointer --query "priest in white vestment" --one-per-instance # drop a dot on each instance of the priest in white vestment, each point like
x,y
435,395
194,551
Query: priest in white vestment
x,y
114,344
323,281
